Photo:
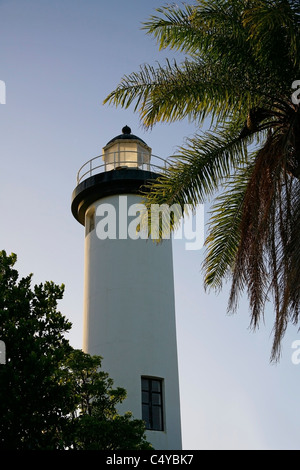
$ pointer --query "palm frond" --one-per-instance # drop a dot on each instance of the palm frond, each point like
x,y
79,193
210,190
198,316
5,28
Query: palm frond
x,y
198,169
273,31
265,263
224,235
173,92
174,29
242,57
284,260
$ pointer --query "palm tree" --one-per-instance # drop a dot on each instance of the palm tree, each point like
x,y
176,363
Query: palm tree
x,y
241,59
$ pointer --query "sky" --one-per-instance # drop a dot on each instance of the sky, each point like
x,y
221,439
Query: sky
x,y
59,60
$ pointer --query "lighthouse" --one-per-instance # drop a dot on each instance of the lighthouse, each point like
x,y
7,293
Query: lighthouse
x,y
129,306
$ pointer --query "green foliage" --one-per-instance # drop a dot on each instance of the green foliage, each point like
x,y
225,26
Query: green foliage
x,y
240,60
52,396
96,424
32,402
224,235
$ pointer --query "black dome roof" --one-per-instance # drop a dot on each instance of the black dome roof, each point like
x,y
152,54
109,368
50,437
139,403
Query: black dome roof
x,y
126,134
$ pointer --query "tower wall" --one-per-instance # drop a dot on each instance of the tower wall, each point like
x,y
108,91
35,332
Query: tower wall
x,y
129,317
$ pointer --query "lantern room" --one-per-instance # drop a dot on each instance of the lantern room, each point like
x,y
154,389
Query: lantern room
x,y
126,151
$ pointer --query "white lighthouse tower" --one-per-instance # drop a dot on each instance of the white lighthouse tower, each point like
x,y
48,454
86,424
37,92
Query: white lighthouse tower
x,y
129,310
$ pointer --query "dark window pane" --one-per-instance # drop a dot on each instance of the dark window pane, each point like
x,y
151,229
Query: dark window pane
x,y
92,222
145,415
145,384
145,397
156,418
156,399
155,385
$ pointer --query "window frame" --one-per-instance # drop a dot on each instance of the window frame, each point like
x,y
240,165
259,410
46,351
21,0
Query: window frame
x,y
90,221
150,403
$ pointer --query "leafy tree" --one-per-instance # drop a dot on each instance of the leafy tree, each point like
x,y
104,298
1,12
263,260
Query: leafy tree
x,y
95,422
33,404
52,396
241,59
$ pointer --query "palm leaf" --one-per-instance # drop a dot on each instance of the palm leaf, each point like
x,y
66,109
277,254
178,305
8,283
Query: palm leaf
x,y
174,29
241,60
224,229
198,170
191,89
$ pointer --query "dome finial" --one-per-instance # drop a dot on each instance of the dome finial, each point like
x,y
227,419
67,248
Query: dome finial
x,y
126,130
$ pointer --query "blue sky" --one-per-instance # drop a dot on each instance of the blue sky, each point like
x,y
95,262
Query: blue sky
x,y
59,60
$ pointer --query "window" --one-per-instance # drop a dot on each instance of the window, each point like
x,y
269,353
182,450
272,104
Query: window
x,y
90,221
152,403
